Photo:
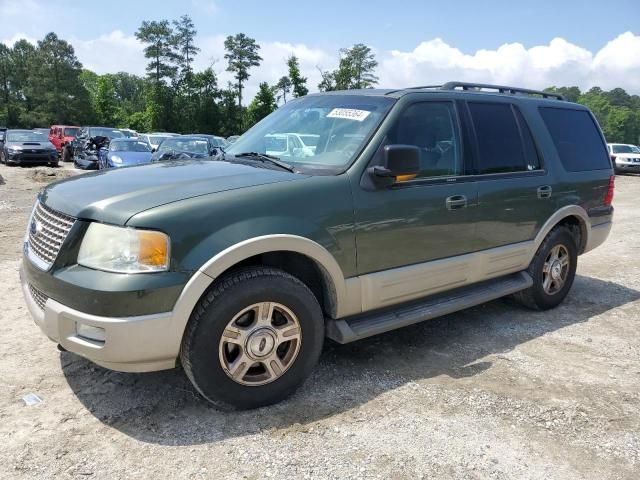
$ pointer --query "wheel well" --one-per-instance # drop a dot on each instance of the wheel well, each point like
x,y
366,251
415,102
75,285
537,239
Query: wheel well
x,y
578,229
304,268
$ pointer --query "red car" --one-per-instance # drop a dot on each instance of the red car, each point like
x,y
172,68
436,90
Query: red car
x,y
60,135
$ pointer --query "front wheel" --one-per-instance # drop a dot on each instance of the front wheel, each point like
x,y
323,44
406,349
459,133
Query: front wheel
x,y
253,338
553,270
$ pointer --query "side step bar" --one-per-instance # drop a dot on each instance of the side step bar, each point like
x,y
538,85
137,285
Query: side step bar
x,y
372,323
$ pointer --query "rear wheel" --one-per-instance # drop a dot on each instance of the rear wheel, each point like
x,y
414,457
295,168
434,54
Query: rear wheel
x,y
253,338
553,270
66,154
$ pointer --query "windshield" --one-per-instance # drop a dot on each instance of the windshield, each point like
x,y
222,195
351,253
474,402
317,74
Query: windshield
x,y
189,145
71,132
339,124
26,137
625,149
128,146
105,132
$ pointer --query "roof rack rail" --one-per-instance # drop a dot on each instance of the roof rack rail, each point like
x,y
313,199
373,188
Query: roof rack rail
x,y
500,89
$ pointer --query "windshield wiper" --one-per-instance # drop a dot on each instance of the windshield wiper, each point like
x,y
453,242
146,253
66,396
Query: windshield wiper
x,y
263,157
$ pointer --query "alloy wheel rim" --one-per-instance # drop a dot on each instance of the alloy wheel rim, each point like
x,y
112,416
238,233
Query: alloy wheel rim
x,y
555,269
260,343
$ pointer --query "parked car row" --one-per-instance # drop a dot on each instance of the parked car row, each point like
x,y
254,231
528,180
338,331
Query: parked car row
x,y
101,147
98,147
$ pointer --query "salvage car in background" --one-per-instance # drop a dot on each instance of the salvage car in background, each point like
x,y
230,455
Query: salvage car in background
x,y
60,135
625,157
154,139
174,148
217,141
89,144
27,147
286,145
125,152
127,132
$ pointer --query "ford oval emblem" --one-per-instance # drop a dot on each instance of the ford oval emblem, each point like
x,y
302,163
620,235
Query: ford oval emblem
x,y
35,228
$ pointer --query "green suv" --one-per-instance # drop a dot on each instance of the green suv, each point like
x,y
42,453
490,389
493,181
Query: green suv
x,y
412,203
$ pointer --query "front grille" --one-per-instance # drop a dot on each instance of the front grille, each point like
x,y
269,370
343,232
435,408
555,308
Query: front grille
x,y
38,297
47,231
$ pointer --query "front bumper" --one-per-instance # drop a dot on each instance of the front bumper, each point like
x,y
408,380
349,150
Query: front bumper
x,y
32,157
627,164
131,344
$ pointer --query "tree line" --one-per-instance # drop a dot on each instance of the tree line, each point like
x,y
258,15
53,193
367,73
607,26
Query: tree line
x,y
45,84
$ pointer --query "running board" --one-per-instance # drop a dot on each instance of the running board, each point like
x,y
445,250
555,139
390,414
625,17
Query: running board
x,y
368,324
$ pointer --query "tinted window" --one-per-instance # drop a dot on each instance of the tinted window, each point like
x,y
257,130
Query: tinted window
x,y
532,160
431,126
576,138
500,145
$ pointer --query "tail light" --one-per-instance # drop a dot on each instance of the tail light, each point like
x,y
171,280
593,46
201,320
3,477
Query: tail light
x,y
608,198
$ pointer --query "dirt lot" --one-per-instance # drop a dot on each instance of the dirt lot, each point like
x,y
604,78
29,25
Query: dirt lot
x,y
492,392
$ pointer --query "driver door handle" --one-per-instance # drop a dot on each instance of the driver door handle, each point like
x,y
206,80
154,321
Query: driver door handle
x,y
456,202
544,191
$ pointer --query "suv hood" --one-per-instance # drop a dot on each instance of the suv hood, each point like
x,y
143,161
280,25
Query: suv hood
x,y
115,195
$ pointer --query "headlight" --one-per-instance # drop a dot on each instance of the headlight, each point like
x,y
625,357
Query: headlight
x,y
124,250
116,159
13,150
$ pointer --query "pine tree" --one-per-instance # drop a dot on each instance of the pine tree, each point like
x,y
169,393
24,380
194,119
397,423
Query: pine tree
x,y
263,104
298,82
283,87
242,54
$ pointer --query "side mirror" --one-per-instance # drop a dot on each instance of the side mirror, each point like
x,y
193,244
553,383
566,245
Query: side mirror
x,y
401,163
153,150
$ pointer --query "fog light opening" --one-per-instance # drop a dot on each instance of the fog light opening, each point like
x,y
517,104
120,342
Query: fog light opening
x,y
89,332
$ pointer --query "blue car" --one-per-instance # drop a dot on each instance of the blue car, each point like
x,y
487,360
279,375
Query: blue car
x,y
125,152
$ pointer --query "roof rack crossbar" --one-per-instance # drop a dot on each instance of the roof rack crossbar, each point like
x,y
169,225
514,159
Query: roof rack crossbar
x,y
500,89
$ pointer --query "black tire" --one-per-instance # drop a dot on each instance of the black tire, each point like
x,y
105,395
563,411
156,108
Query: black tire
x,y
54,164
1,158
199,353
66,154
536,297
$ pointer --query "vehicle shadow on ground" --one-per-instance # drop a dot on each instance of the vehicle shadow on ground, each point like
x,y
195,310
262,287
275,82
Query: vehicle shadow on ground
x,y
163,408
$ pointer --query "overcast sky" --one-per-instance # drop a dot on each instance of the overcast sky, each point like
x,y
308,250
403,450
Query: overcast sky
x,y
532,44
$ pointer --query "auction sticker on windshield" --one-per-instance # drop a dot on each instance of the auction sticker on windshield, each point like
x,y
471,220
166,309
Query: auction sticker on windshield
x,y
349,114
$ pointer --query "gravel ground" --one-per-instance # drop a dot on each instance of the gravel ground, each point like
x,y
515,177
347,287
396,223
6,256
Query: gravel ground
x,y
491,392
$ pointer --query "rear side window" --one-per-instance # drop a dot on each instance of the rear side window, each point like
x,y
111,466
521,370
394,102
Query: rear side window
x,y
576,139
504,140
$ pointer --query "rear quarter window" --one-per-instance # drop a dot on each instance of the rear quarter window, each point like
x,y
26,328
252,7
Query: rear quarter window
x,y
576,138
503,138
